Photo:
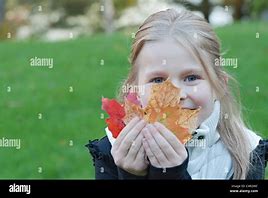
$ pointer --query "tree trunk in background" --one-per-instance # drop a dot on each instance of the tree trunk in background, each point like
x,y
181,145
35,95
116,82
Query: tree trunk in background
x,y
108,15
238,8
238,4
205,8
2,11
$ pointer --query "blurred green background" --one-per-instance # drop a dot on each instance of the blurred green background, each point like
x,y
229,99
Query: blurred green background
x,y
86,68
76,116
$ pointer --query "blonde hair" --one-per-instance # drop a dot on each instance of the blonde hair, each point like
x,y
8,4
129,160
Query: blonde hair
x,y
196,35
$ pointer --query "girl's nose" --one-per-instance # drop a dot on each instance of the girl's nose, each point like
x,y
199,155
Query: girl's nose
x,y
183,94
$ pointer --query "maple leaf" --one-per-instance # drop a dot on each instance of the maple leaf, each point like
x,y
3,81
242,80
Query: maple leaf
x,y
116,112
115,125
113,108
132,107
133,98
164,106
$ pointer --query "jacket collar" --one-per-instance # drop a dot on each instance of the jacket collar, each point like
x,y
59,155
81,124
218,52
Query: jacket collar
x,y
206,135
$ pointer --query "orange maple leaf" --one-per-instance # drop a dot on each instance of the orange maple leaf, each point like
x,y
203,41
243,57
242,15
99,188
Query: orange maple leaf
x,y
164,107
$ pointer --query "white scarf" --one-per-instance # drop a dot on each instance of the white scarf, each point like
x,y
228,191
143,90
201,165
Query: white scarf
x,y
208,157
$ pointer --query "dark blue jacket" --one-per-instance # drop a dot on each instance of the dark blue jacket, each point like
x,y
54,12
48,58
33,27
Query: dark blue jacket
x,y
105,167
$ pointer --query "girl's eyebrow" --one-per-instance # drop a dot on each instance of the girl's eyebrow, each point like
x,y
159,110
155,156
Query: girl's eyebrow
x,y
155,73
158,73
192,71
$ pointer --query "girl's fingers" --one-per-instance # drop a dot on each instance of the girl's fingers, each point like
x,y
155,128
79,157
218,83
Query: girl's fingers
x,y
141,154
135,147
127,142
150,154
164,145
154,147
125,131
170,137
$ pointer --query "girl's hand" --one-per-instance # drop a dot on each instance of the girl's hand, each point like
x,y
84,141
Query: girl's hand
x,y
162,147
127,150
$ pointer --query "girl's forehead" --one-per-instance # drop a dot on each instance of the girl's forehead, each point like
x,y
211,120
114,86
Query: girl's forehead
x,y
156,55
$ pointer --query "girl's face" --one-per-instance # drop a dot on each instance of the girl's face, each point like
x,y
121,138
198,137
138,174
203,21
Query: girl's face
x,y
159,60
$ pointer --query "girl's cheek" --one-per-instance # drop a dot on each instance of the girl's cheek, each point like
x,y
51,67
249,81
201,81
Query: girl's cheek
x,y
206,102
193,91
145,94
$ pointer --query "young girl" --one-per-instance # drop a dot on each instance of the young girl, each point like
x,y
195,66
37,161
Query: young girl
x,y
182,47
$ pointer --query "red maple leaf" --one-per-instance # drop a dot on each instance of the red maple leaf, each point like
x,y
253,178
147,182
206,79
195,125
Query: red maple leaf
x,y
116,112
113,108
115,125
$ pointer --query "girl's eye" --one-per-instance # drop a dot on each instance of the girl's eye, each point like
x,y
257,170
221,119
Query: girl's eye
x,y
191,78
157,80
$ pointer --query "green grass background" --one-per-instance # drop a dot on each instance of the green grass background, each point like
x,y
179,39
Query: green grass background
x,y
76,116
